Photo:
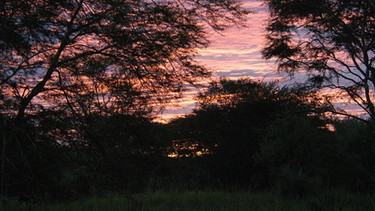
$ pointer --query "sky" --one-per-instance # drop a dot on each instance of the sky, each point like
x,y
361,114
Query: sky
x,y
234,54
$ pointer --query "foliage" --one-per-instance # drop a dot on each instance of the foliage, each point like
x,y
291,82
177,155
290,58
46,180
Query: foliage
x,y
36,165
103,56
293,151
79,81
123,153
248,104
210,200
230,121
270,141
298,156
333,41
355,150
31,167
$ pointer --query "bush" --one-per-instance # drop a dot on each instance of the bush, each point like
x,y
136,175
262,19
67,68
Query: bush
x,y
299,155
291,155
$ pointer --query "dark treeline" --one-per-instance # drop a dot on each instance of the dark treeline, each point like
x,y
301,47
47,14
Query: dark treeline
x,y
81,80
244,135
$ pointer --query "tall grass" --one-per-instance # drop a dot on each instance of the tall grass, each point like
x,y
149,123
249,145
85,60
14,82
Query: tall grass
x,y
207,201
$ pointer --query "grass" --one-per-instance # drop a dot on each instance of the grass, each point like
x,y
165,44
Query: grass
x,y
207,201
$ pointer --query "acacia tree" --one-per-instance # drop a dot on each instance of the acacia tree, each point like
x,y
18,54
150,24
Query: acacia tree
x,y
92,58
333,41
122,56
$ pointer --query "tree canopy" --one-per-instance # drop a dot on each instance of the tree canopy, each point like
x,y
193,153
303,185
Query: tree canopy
x,y
333,41
75,72
104,56
231,120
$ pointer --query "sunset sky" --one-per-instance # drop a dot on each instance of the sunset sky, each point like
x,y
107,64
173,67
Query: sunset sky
x,y
235,54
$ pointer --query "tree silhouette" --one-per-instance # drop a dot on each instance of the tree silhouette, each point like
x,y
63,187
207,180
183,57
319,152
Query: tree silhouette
x,y
65,64
103,56
332,41
231,119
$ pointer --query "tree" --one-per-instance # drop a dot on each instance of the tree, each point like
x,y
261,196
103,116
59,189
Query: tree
x,y
64,64
231,119
298,155
103,56
293,154
333,42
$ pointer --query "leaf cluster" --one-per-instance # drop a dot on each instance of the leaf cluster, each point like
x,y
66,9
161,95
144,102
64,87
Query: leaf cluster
x,y
332,41
105,56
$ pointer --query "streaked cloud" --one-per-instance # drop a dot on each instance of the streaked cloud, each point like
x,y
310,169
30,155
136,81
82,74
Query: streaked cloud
x,y
237,52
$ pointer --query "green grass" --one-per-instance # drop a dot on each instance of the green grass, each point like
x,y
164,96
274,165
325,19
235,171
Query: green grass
x,y
206,201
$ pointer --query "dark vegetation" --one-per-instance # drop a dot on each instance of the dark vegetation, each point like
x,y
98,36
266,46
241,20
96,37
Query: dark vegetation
x,y
332,42
257,137
81,82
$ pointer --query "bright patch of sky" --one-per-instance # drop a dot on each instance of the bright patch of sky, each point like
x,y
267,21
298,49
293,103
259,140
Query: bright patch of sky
x,y
236,53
